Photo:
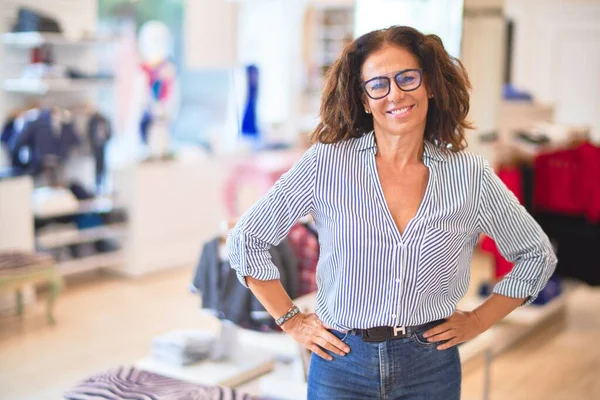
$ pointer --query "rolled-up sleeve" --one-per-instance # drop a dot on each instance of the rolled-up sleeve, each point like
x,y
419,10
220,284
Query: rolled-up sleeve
x,y
268,221
519,238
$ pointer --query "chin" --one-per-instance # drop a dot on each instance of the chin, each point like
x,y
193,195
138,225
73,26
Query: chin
x,y
401,130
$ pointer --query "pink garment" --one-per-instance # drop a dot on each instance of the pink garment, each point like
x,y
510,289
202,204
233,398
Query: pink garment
x,y
260,171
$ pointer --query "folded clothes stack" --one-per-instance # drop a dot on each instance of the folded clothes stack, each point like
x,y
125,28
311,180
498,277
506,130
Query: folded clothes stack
x,y
183,347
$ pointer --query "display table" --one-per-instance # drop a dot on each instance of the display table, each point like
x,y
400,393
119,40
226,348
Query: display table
x,y
248,363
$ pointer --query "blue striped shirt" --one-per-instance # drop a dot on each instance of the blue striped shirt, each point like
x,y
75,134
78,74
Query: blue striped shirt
x,y
368,273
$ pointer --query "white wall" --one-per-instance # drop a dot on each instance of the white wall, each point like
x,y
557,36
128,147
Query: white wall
x,y
226,34
440,17
270,36
482,53
210,33
557,56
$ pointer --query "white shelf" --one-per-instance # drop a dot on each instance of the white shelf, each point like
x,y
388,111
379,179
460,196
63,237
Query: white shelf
x,y
28,40
43,86
98,205
529,315
58,239
90,263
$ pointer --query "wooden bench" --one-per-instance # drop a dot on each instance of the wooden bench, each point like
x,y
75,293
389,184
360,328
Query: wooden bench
x,y
20,269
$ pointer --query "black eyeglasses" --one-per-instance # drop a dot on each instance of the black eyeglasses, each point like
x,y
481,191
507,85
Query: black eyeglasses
x,y
407,80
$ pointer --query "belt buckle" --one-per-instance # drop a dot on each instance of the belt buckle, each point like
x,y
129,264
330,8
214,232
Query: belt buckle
x,y
401,329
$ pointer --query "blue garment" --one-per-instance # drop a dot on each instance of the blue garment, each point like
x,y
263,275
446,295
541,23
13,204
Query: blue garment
x,y
39,137
409,368
249,126
8,132
99,132
145,126
369,274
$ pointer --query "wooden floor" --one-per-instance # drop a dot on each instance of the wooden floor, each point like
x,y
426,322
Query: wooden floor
x,y
107,321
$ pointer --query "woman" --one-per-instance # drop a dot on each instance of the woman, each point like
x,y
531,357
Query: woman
x,y
399,207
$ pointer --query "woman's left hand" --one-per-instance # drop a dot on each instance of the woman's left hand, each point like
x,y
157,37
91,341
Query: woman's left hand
x,y
460,327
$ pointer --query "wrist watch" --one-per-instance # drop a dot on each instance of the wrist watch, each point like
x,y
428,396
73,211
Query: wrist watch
x,y
291,312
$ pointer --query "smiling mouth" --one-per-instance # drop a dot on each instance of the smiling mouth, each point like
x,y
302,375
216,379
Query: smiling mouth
x,y
400,111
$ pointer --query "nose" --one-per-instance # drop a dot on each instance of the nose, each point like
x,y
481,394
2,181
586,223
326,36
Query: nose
x,y
396,94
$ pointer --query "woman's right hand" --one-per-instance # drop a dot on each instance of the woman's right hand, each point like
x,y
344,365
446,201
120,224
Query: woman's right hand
x,y
310,332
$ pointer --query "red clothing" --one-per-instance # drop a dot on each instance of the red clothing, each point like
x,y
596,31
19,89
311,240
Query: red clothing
x,y
511,176
568,182
306,248
590,181
558,183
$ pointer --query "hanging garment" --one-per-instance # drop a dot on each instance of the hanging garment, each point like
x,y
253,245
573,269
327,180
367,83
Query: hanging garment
x,y
568,182
512,178
46,139
558,188
305,244
576,241
589,156
8,132
222,293
99,132
249,123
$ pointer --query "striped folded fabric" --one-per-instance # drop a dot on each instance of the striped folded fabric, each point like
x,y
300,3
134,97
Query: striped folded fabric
x,y
130,383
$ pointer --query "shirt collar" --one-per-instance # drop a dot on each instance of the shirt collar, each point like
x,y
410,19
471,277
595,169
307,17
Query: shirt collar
x,y
367,142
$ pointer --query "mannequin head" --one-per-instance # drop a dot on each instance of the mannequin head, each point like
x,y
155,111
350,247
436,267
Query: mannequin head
x,y
154,42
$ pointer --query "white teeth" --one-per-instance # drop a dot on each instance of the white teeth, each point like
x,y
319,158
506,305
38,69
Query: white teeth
x,y
400,111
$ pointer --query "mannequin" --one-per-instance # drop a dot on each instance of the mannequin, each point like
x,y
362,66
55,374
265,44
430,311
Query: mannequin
x,y
155,90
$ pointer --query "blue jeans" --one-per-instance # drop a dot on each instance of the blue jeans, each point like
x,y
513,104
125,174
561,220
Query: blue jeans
x,y
408,368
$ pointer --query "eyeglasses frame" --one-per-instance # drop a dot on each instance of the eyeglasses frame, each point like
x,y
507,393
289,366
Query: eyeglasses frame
x,y
395,75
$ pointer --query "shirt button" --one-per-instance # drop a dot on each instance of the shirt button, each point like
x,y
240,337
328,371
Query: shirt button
x,y
393,315
397,280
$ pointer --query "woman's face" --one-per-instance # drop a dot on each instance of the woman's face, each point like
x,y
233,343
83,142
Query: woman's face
x,y
399,113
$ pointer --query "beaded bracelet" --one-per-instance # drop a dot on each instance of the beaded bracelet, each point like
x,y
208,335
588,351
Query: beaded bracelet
x,y
292,311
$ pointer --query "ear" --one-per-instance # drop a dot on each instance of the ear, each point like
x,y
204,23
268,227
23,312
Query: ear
x,y
428,89
365,102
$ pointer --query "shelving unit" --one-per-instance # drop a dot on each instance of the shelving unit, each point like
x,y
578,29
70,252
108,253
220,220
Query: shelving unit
x,y
54,240
60,239
332,28
81,235
29,40
97,205
45,86
90,263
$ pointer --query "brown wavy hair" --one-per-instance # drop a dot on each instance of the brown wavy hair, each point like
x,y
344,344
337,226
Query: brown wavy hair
x,y
342,110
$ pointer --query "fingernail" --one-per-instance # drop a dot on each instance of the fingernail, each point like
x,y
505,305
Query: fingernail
x,y
330,358
347,349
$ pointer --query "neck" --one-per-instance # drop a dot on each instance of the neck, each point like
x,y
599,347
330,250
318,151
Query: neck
x,y
400,150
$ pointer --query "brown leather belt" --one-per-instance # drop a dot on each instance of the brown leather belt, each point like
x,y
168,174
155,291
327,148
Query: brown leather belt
x,y
383,333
